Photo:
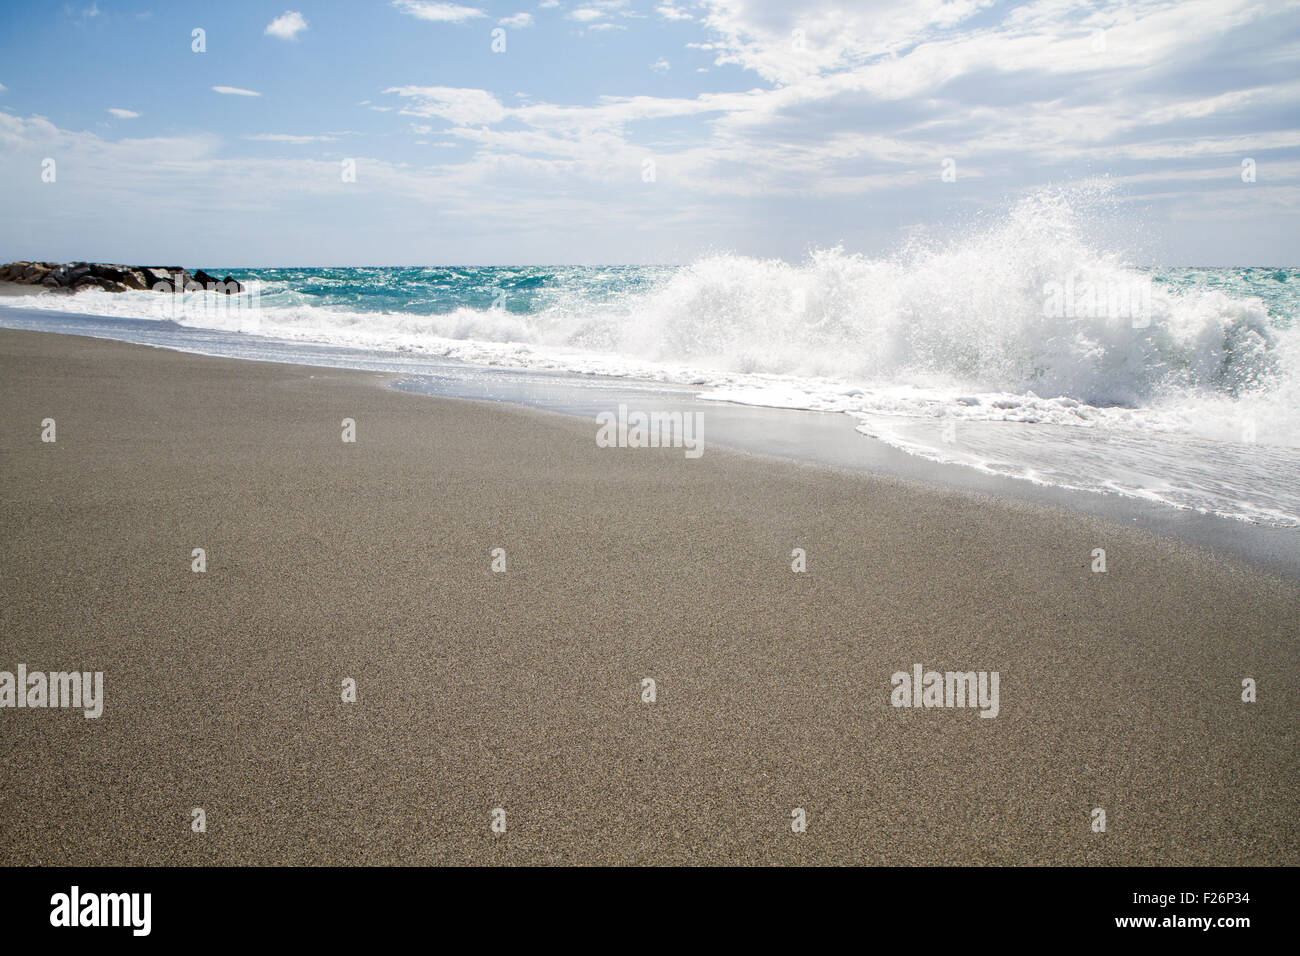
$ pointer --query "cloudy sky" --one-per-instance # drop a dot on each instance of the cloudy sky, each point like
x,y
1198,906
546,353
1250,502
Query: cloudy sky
x,y
637,131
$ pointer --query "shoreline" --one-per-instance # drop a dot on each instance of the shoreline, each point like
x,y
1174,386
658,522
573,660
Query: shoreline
x,y
826,439
522,690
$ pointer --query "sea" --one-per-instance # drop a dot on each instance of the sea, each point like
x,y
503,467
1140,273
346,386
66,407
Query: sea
x,y
1018,349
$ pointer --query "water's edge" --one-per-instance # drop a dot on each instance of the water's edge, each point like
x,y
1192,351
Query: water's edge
x,y
822,438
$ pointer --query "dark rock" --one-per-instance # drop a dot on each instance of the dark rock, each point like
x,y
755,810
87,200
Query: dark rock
x,y
113,277
160,280
95,282
134,279
113,273
173,277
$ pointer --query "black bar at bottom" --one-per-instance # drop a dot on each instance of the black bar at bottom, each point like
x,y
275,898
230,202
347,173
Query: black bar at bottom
x,y
939,906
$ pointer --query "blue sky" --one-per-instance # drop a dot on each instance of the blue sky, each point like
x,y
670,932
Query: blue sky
x,y
769,128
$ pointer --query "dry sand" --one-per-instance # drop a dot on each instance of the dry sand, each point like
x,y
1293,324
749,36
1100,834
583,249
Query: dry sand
x,y
521,690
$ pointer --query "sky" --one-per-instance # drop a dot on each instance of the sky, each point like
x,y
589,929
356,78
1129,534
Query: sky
x,y
413,132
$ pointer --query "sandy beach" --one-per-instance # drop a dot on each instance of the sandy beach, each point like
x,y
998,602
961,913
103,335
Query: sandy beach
x,y
522,690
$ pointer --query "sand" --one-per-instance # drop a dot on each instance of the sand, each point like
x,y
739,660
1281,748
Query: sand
x,y
9,290
522,690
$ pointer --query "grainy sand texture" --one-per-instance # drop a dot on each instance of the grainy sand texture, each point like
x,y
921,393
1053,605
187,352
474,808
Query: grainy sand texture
x,y
522,690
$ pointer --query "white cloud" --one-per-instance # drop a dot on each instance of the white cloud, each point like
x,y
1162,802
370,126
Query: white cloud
x,y
287,26
593,10
123,114
290,138
518,21
549,4
438,12
235,91
661,65
3,87
464,107
671,12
